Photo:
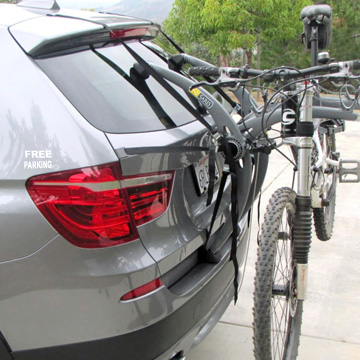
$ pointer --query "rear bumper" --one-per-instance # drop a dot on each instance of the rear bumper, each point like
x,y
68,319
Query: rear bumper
x,y
175,333
145,344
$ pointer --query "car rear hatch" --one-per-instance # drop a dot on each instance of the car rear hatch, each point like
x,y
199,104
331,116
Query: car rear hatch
x,y
182,230
152,134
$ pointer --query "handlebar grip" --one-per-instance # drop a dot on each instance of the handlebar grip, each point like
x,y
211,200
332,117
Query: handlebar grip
x,y
356,64
204,71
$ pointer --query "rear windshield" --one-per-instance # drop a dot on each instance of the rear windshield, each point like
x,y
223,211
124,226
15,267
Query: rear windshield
x,y
105,88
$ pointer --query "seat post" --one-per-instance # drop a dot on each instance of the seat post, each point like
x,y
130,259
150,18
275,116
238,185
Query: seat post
x,y
317,29
314,41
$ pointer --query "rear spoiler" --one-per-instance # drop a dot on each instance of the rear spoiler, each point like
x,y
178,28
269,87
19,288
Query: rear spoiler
x,y
65,32
97,37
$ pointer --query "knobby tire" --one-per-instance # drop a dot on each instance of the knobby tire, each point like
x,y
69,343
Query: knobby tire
x,y
277,312
324,216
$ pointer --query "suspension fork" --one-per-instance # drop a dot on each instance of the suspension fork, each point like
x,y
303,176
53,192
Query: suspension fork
x,y
303,214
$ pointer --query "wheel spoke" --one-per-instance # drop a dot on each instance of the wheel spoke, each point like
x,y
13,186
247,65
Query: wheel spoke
x,y
280,323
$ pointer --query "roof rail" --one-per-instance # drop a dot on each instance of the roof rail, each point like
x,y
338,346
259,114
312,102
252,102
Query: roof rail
x,y
40,4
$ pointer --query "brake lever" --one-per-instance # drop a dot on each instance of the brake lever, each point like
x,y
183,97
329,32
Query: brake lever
x,y
343,74
339,77
338,80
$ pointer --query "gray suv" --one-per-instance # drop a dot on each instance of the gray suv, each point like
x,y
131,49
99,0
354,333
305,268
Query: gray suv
x,y
102,248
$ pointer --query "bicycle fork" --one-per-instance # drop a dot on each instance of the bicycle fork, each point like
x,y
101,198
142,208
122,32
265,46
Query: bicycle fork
x,y
303,216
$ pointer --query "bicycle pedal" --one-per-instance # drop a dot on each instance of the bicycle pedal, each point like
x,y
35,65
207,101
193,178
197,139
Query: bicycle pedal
x,y
349,171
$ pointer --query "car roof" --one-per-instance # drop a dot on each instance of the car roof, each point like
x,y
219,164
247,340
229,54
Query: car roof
x,y
11,14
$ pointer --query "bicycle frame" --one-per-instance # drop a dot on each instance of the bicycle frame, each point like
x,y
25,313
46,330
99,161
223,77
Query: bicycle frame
x,y
253,122
309,187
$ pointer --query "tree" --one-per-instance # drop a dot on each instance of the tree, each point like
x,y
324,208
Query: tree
x,y
225,25
345,43
289,52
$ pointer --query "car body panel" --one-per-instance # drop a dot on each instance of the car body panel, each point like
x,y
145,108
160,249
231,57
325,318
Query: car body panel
x,y
15,203
61,283
10,15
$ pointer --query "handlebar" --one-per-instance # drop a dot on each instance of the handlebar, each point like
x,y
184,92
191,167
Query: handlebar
x,y
282,73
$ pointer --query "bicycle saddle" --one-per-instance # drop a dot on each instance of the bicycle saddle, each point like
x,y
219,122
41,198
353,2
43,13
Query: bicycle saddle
x,y
313,11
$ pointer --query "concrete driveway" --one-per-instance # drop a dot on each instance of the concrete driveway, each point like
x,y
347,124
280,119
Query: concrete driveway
x,y
331,318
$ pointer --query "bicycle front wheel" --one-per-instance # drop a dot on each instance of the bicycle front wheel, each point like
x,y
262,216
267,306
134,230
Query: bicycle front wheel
x,y
277,312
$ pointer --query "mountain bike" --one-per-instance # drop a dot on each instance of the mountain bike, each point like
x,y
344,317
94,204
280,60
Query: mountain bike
x,y
309,131
309,124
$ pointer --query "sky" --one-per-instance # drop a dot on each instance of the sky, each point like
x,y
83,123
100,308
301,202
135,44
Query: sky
x,y
85,4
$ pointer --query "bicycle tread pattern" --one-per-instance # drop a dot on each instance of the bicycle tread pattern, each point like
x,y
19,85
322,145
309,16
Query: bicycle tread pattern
x,y
323,232
324,224
263,281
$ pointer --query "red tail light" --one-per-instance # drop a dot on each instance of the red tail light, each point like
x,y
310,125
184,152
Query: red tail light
x,y
143,290
98,207
138,32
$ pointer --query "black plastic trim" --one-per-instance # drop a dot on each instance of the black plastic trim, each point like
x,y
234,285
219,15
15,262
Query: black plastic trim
x,y
5,350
